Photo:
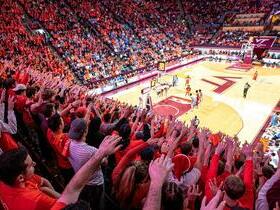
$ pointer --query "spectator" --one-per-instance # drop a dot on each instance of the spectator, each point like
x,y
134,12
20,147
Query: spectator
x,y
80,153
20,188
94,137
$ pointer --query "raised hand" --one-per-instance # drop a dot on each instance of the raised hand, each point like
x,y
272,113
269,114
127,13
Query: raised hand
x,y
207,154
214,186
109,145
161,141
184,130
248,150
164,147
220,148
193,192
124,112
159,169
214,204
202,135
76,103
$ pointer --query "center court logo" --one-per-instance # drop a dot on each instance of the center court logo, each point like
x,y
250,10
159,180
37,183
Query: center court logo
x,y
173,105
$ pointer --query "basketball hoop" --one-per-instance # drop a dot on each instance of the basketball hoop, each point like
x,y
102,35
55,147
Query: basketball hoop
x,y
247,51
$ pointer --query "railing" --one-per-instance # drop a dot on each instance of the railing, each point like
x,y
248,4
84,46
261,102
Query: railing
x,y
250,15
243,28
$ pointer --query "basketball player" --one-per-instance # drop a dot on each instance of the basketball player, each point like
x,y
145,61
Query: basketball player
x,y
200,95
196,121
158,90
255,76
193,101
246,88
165,88
141,101
197,97
174,80
188,79
188,90
149,105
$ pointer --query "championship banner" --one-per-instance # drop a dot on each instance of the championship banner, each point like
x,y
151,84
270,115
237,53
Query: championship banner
x,y
263,42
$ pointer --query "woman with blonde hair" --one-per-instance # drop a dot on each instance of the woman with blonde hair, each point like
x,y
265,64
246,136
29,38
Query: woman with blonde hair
x,y
130,179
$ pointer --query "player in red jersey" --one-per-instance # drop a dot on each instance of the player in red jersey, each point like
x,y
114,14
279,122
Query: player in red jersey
x,y
197,97
255,76
188,90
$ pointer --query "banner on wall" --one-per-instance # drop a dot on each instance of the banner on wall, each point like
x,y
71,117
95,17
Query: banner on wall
x,y
261,45
263,42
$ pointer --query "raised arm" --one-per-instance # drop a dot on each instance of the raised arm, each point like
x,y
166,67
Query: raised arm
x,y
202,139
230,154
77,183
69,107
248,179
97,111
213,169
175,141
11,125
158,171
129,156
134,125
261,202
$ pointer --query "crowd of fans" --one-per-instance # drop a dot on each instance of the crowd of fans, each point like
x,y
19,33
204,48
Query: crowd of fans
x,y
233,38
101,42
21,50
114,156
271,135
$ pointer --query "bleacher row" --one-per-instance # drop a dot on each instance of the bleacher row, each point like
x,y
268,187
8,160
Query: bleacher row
x,y
99,41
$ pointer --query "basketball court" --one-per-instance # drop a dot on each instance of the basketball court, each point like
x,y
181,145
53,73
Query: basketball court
x,y
223,107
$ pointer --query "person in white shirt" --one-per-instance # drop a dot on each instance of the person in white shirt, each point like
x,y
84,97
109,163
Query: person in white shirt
x,y
80,153
200,95
262,201
193,101
149,104
11,125
141,101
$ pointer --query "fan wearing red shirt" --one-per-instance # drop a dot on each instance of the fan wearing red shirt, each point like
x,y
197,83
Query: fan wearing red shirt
x,y
60,141
19,187
239,193
20,99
